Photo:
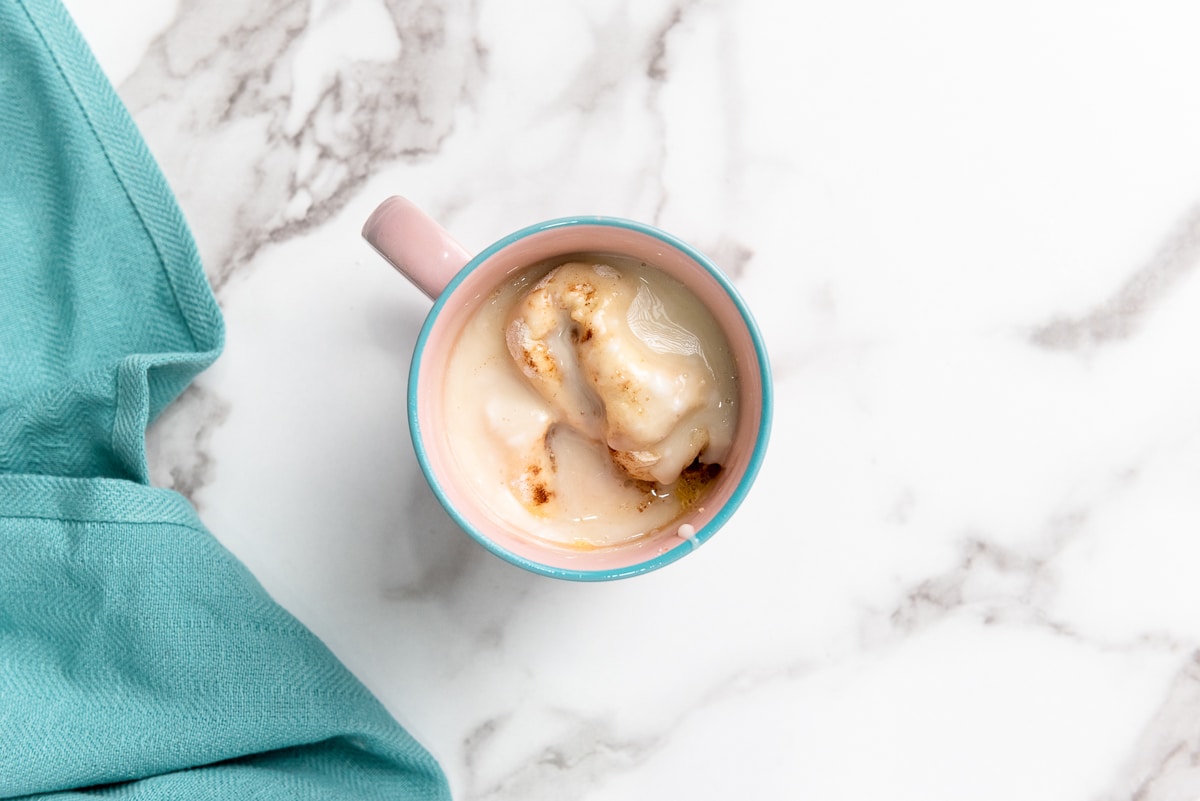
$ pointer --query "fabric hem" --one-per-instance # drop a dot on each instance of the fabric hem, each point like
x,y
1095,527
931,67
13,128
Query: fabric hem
x,y
127,155
92,500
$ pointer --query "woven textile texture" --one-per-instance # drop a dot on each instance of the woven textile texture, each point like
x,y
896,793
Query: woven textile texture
x,y
138,658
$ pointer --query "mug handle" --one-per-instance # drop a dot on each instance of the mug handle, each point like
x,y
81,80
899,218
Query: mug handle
x,y
412,242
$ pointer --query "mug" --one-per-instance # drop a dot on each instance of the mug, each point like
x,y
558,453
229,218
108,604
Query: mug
x,y
458,284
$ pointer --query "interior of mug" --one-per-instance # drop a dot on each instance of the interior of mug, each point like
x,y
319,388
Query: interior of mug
x,y
474,285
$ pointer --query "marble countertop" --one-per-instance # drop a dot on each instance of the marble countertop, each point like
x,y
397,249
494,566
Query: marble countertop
x,y
970,236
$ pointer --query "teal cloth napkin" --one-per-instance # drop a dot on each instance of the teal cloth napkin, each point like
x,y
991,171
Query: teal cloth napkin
x,y
138,658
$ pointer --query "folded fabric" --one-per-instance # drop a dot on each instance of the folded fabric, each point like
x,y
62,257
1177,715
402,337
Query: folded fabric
x,y
138,658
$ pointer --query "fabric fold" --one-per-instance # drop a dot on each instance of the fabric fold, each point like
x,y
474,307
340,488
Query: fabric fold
x,y
138,658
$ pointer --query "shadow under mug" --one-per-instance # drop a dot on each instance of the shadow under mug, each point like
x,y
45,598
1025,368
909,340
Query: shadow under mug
x,y
458,283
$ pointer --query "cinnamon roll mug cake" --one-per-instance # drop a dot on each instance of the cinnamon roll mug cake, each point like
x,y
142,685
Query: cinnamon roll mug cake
x,y
589,397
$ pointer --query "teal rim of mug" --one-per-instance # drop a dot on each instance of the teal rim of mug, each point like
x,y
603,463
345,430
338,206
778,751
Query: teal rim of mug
x,y
662,559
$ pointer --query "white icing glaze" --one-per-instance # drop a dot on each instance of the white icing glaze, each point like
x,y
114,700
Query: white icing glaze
x,y
581,391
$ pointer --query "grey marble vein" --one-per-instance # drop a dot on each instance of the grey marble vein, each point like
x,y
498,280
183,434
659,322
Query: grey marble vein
x,y
179,443
1164,762
596,749
231,85
1120,315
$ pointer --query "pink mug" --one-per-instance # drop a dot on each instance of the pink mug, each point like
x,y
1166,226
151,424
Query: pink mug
x,y
458,283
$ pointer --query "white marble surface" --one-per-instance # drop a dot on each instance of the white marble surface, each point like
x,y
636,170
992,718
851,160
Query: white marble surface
x,y
970,235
